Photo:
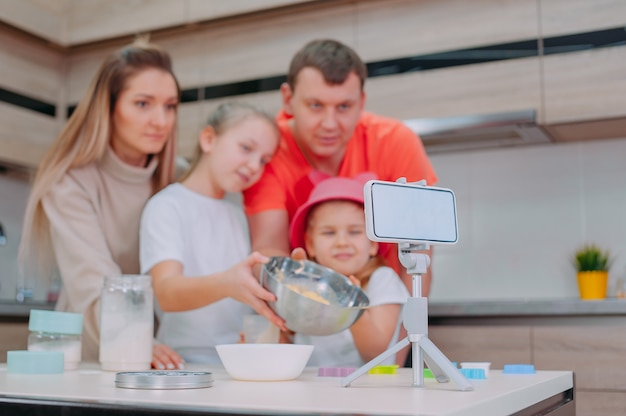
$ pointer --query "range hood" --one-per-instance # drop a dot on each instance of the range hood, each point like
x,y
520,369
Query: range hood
x,y
479,131
514,128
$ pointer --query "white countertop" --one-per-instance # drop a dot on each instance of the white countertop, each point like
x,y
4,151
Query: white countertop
x,y
500,394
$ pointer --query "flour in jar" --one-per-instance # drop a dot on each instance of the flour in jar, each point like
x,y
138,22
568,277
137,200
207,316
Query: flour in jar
x,y
71,349
129,349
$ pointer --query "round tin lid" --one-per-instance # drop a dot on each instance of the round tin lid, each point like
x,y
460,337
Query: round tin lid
x,y
164,379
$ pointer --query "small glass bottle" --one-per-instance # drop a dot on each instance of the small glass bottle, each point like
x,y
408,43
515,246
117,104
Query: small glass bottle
x,y
126,323
57,331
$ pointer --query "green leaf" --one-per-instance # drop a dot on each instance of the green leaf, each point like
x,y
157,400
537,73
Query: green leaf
x,y
591,258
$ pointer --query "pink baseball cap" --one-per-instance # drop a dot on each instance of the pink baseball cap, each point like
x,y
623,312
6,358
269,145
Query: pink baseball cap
x,y
330,189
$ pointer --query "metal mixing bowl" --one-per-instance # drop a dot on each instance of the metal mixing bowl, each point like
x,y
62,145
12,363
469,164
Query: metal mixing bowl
x,y
312,299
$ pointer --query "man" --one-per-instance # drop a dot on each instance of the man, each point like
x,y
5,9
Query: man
x,y
325,131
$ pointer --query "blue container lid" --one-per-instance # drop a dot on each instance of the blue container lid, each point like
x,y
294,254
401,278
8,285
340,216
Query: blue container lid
x,y
55,322
35,362
473,373
518,369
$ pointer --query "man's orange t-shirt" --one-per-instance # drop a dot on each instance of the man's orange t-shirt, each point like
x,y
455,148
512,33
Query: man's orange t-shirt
x,y
381,145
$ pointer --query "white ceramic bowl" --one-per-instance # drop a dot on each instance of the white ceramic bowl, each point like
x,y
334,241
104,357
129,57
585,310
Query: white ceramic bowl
x,y
264,362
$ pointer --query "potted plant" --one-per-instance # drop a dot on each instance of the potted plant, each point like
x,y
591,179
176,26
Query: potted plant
x,y
592,265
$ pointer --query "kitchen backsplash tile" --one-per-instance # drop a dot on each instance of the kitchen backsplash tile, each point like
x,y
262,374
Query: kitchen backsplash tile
x,y
522,212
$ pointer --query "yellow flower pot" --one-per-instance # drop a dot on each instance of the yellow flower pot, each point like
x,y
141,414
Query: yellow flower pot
x,y
592,285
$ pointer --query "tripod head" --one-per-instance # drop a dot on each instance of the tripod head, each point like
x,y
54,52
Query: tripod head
x,y
416,264
412,213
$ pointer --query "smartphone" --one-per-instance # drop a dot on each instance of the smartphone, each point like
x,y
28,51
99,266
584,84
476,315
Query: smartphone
x,y
399,212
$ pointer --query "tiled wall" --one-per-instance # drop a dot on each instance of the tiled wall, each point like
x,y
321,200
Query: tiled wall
x,y
522,212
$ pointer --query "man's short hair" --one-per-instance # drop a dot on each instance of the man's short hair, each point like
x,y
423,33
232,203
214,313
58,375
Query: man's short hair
x,y
332,58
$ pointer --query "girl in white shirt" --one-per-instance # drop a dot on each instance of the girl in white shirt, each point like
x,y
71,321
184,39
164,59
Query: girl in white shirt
x,y
193,238
331,227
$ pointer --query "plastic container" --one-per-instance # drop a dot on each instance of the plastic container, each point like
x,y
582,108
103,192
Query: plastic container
x,y
35,362
485,366
518,369
126,323
56,331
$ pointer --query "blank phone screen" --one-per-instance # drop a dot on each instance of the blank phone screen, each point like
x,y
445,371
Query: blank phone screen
x,y
411,213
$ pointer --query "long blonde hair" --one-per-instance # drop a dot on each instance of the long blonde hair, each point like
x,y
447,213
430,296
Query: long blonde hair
x,y
86,136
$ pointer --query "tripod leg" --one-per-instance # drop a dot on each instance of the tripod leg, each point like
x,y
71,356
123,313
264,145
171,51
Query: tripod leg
x,y
346,381
443,365
417,361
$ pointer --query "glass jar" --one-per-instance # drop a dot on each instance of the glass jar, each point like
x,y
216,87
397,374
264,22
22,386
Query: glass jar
x,y
126,323
57,331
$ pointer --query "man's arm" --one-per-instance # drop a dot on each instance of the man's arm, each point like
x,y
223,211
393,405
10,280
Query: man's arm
x,y
269,232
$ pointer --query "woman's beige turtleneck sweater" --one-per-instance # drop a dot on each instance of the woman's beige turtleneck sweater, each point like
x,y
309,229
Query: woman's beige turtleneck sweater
x,y
94,215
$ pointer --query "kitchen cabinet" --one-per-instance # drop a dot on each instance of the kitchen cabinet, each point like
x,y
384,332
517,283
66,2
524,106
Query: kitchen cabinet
x,y
14,325
31,76
13,336
586,337
561,88
499,345
102,19
585,85
24,135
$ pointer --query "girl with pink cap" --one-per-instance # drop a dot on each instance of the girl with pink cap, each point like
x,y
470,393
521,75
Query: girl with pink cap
x,y
330,226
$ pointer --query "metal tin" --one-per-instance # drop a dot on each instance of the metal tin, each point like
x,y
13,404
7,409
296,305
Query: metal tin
x,y
163,380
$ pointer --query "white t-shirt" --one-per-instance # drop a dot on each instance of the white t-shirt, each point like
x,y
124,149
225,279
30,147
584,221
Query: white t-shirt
x,y
338,350
206,236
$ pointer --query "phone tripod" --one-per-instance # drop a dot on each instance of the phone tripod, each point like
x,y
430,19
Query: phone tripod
x,y
415,320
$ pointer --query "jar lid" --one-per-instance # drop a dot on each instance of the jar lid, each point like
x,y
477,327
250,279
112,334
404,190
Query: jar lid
x,y
128,281
35,362
158,379
55,322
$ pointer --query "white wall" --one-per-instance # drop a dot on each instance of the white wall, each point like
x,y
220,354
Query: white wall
x,y
523,211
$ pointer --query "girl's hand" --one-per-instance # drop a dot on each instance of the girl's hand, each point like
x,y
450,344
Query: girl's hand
x,y
244,287
286,337
354,280
298,253
165,358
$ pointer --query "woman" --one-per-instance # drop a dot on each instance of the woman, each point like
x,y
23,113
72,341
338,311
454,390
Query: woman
x,y
117,150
